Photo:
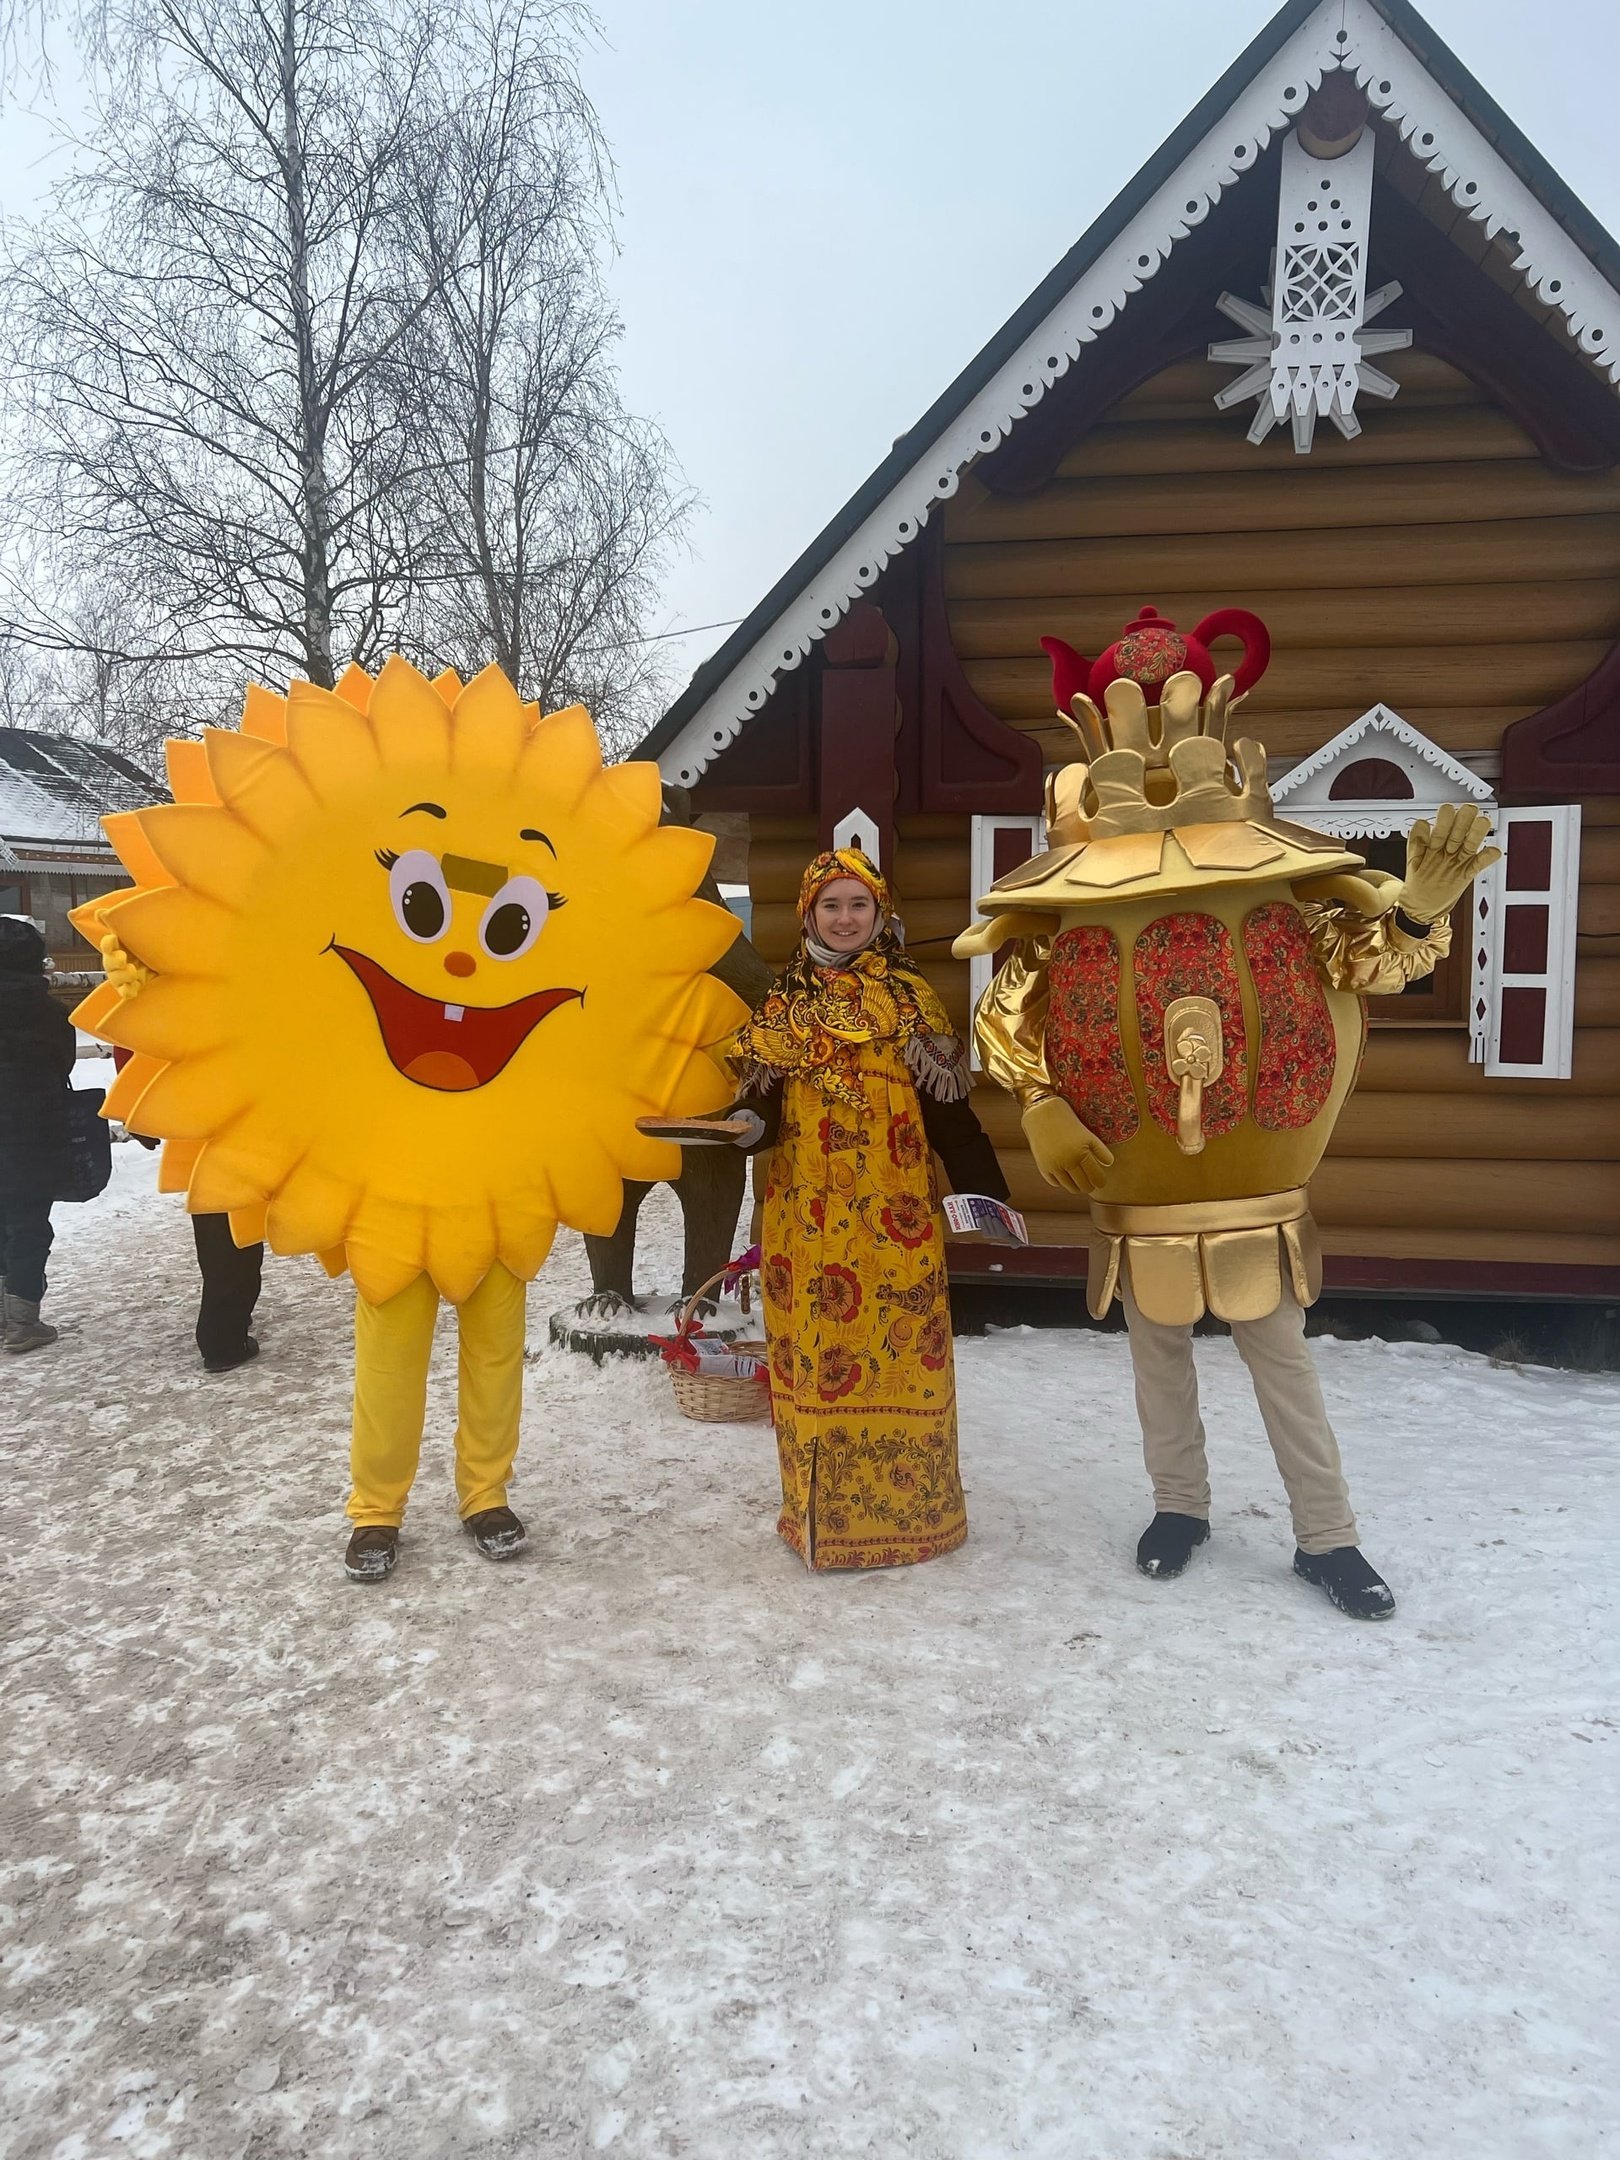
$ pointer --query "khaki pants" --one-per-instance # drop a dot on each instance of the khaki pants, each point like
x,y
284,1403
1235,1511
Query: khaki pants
x,y
1290,1399
392,1346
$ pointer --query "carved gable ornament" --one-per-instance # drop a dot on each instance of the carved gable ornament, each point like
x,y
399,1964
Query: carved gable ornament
x,y
1375,778
1307,355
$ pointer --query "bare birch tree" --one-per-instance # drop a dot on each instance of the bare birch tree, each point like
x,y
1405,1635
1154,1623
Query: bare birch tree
x,y
555,506
199,330
311,356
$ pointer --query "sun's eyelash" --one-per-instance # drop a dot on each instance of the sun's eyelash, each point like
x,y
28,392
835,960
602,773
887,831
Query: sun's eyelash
x,y
557,899
388,856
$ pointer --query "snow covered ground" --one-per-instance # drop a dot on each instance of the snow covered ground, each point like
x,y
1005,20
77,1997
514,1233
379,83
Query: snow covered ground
x,y
654,1845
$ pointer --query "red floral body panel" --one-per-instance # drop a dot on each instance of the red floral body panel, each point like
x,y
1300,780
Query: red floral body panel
x,y
1298,1047
1084,1057
1191,956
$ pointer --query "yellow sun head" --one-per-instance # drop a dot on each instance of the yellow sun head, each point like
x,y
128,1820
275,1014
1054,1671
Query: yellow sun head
x,y
421,961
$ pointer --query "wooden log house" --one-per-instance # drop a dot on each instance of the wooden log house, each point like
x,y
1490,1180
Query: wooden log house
x,y
1410,468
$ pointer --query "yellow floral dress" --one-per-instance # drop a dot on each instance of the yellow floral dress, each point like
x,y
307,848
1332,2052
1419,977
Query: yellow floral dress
x,y
858,1314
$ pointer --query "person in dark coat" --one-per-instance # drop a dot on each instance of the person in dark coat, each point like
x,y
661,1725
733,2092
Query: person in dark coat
x,y
37,1050
231,1277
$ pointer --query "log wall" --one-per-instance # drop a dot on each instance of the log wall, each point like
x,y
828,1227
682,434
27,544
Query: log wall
x,y
1436,565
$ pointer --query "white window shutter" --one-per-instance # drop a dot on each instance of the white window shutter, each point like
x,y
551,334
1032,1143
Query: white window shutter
x,y
1524,953
1000,844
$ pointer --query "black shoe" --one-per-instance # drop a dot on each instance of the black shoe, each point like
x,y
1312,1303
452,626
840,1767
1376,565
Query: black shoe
x,y
372,1551
1168,1543
1354,1587
232,1358
497,1533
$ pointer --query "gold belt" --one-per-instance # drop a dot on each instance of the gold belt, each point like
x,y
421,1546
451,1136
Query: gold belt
x,y
1257,1211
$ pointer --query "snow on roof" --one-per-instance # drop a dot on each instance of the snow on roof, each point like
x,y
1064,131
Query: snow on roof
x,y
57,788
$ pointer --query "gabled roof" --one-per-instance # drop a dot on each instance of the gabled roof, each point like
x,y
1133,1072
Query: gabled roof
x,y
55,789
1410,77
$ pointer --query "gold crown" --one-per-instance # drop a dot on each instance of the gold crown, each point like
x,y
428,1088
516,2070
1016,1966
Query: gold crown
x,y
1150,768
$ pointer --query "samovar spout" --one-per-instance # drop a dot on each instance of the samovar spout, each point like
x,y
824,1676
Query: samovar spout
x,y
1195,1053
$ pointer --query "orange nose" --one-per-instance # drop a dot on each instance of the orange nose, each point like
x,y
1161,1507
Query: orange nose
x,y
459,963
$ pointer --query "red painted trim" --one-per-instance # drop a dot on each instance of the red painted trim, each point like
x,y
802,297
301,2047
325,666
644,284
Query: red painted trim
x,y
1345,1272
770,767
860,715
1571,747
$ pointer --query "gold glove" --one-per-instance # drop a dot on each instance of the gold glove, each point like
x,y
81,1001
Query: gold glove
x,y
1442,862
122,970
1067,1153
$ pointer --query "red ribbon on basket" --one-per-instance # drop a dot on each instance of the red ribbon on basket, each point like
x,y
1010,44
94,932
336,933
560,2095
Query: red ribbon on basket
x,y
744,1264
676,1350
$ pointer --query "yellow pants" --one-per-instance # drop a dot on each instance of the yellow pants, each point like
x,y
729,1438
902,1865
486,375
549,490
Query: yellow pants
x,y
392,1346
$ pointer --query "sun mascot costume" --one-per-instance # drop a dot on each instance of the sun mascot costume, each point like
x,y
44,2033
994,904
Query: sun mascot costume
x,y
402,965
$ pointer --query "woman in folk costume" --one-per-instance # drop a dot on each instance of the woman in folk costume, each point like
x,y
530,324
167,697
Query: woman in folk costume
x,y
859,1079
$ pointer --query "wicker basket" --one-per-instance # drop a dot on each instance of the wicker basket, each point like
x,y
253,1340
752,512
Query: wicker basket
x,y
718,1398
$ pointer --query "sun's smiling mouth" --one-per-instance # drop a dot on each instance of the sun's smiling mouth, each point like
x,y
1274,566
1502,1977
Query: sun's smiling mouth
x,y
446,1046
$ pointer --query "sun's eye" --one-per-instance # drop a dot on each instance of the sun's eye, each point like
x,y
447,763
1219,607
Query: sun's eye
x,y
421,898
514,918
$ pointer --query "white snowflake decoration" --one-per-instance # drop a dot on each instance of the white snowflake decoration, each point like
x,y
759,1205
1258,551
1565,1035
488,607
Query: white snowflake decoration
x,y
1306,356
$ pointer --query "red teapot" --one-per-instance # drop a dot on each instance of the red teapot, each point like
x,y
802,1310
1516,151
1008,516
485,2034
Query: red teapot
x,y
1151,649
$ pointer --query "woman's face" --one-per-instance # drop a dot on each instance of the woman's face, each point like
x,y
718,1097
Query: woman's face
x,y
844,915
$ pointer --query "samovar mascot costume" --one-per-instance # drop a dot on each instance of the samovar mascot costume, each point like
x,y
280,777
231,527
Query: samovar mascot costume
x,y
402,965
1181,1020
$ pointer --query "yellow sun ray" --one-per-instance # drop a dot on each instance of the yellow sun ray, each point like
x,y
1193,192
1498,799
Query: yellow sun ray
x,y
175,1016
176,1163
333,744
264,715
127,1089
562,757
310,1211
636,790
204,850
411,719
134,851
174,931
186,762
489,726
247,1225
354,687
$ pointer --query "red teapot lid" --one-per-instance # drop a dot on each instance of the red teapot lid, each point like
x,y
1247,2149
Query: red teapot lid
x,y
1151,649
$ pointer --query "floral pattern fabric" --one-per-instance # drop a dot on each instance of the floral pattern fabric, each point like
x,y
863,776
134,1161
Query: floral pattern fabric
x,y
1084,1055
1298,1049
1190,955
857,1311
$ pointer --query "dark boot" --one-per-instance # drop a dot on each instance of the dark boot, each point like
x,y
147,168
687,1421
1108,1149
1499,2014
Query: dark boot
x,y
1168,1543
25,1330
497,1533
1354,1587
373,1549
229,1360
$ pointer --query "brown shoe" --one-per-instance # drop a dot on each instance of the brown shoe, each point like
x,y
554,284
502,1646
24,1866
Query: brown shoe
x,y
372,1551
497,1533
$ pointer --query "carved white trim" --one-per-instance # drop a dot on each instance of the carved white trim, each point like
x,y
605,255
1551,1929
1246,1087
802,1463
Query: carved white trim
x,y
1479,179
1305,793
858,829
1337,33
1309,357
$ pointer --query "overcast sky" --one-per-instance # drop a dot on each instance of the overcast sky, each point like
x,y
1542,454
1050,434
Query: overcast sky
x,y
827,209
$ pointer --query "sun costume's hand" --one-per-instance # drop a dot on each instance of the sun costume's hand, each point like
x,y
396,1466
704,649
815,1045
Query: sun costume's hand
x,y
1067,1153
420,961
122,970
1443,861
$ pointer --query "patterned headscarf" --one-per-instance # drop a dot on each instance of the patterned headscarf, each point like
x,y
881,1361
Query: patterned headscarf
x,y
824,1005
835,863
